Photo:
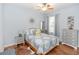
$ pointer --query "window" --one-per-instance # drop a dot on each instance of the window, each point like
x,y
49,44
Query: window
x,y
51,25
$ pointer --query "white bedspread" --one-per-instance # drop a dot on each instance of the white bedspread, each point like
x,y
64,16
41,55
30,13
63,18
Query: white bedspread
x,y
43,42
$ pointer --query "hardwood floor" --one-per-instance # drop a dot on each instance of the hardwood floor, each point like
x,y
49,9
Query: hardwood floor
x,y
62,49
22,50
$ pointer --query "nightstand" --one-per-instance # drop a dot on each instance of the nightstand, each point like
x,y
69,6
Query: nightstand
x,y
19,40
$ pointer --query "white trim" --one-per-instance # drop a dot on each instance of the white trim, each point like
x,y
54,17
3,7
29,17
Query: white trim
x,y
1,49
9,45
70,45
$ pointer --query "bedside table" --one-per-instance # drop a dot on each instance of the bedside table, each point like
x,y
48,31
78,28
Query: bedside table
x,y
19,40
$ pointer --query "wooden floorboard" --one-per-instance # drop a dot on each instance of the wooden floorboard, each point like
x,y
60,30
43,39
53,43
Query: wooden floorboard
x,y
61,49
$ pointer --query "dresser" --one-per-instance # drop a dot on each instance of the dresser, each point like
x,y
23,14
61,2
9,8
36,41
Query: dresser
x,y
70,37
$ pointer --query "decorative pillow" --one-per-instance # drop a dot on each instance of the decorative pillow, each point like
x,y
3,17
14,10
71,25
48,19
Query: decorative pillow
x,y
38,32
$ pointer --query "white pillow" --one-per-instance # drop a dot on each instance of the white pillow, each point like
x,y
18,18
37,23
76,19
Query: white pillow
x,y
32,31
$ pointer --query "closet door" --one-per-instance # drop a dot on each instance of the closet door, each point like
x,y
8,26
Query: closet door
x,y
51,23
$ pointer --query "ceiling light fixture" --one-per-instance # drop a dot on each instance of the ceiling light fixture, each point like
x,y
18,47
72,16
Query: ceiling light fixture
x,y
45,6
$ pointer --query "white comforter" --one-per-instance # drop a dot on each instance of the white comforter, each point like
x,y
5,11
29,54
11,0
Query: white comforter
x,y
43,42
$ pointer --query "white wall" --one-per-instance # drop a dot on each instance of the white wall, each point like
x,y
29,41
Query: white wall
x,y
63,14
16,18
73,11
1,30
62,18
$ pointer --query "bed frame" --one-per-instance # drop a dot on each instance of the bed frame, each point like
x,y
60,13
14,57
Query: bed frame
x,y
35,50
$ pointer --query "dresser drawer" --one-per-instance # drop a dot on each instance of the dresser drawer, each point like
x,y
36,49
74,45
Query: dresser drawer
x,y
70,37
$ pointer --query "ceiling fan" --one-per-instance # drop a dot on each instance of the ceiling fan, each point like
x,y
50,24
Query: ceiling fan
x,y
45,6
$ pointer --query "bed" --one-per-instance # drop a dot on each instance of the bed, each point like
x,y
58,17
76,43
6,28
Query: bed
x,y
42,43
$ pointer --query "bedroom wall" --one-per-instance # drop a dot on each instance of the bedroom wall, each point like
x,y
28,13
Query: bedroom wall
x,y
1,30
62,18
17,18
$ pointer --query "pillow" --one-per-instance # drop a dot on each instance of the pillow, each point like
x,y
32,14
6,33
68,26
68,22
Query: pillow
x,y
38,32
32,31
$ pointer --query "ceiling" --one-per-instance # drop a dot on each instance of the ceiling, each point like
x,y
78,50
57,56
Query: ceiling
x,y
57,6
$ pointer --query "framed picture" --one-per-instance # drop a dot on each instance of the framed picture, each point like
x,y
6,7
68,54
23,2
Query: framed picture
x,y
70,22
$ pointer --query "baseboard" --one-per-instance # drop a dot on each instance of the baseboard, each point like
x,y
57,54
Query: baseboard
x,y
9,45
5,46
1,49
70,45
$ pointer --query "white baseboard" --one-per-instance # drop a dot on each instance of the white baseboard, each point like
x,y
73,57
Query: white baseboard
x,y
9,45
70,45
1,49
